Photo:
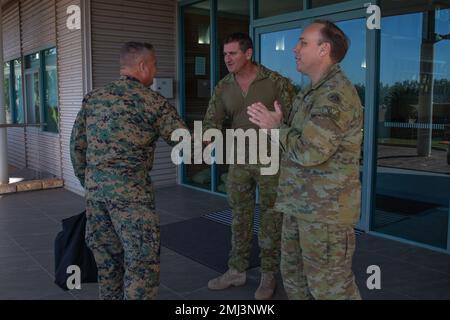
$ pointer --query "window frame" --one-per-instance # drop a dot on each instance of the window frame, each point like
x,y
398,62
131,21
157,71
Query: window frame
x,y
41,70
12,91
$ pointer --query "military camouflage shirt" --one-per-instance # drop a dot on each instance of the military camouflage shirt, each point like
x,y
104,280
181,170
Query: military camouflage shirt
x,y
229,105
113,140
228,101
321,143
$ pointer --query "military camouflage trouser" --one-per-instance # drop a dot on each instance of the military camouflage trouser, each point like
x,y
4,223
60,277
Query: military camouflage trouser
x,y
125,241
316,260
241,187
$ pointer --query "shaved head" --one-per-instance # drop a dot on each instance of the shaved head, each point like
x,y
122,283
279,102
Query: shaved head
x,y
138,60
134,52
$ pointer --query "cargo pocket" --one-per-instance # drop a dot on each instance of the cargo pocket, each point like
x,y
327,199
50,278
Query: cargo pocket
x,y
138,229
150,244
314,243
340,245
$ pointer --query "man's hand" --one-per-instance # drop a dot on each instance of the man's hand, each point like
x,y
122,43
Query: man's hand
x,y
264,118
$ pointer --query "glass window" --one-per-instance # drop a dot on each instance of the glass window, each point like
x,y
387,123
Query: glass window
x,y
354,63
50,91
32,61
321,3
269,8
6,90
32,85
197,80
33,97
41,86
277,54
413,161
19,116
13,91
233,16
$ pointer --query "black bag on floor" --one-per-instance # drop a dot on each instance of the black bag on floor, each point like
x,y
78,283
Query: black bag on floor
x,y
71,249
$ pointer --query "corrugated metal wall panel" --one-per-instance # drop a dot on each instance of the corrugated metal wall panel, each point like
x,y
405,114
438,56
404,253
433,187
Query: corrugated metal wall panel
x,y
11,50
70,78
115,22
37,24
16,147
11,31
43,151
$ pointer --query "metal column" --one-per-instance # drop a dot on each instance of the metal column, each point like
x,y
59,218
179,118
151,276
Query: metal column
x,y
4,175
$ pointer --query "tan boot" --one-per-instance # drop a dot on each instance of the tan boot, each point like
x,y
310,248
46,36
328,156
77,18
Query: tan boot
x,y
230,278
266,287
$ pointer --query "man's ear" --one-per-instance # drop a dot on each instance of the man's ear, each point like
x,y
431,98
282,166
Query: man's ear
x,y
249,53
141,65
325,48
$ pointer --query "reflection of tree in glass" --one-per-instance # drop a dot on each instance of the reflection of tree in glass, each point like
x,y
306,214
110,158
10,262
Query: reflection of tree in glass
x,y
6,95
20,113
441,91
51,100
361,89
401,101
36,96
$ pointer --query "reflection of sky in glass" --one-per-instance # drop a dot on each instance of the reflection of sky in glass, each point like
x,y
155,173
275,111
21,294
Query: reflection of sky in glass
x,y
283,60
400,48
442,48
401,38
279,60
354,62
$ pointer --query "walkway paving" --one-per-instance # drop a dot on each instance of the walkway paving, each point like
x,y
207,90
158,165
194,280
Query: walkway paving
x,y
30,221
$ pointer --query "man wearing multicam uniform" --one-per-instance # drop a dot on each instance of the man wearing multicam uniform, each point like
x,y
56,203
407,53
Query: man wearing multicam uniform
x,y
112,148
319,190
247,83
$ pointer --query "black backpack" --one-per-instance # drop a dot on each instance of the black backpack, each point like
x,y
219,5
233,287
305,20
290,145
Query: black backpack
x,y
71,249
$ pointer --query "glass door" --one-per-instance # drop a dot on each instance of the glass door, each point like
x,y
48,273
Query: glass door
x,y
197,80
205,27
276,50
413,158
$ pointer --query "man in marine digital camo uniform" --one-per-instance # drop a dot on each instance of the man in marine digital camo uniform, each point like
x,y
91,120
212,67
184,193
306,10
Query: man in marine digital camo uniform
x,y
319,190
247,83
112,148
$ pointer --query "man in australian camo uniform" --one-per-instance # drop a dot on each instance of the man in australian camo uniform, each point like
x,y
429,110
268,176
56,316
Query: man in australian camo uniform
x,y
319,191
246,83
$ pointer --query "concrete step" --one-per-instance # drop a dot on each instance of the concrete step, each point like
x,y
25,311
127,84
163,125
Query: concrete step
x,y
31,185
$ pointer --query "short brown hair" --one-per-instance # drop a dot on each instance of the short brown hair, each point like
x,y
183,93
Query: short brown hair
x,y
245,42
337,39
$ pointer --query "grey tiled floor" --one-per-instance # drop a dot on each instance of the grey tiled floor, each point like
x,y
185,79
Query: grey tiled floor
x,y
30,221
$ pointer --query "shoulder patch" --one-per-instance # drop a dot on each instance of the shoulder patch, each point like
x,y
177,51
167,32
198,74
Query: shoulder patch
x,y
327,111
334,97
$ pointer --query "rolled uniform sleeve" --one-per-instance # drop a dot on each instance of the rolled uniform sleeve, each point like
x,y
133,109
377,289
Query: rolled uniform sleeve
x,y
168,120
78,144
320,137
